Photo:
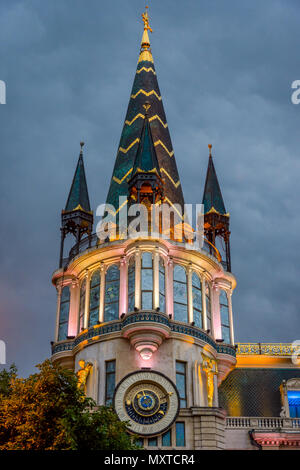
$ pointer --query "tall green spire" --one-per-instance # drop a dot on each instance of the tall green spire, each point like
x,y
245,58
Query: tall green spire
x,y
212,196
146,159
78,196
145,88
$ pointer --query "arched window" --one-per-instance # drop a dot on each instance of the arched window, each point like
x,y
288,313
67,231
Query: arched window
x,y
64,314
180,294
224,316
162,292
94,298
82,305
131,284
197,300
208,305
112,285
147,281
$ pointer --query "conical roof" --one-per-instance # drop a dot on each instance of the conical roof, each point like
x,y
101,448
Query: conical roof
x,y
145,89
78,196
212,196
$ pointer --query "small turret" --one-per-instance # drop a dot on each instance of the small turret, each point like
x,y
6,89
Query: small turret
x,y
77,217
216,220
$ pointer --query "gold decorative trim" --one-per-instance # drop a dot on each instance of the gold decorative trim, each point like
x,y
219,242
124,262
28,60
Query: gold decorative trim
x,y
149,69
162,170
146,93
121,149
145,56
159,142
139,115
113,213
212,210
121,180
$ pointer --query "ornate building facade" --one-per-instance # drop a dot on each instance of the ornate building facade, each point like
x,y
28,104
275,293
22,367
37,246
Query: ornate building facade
x,y
147,322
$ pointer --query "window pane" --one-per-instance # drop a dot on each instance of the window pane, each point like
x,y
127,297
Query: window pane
x,y
131,285
82,305
146,300
112,282
94,297
166,439
147,260
62,331
223,298
152,442
180,292
110,382
111,312
180,383
162,302
226,334
179,273
180,367
64,312
95,280
180,435
113,273
140,442
224,315
180,312
94,317
147,281
111,366
65,294
196,281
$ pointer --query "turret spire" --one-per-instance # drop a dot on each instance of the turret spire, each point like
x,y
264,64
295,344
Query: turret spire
x,y
145,86
77,218
216,220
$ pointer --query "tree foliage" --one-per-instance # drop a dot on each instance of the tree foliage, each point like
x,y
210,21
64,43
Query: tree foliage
x,y
47,411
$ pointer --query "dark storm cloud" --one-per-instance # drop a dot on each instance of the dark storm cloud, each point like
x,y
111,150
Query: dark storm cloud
x,y
225,70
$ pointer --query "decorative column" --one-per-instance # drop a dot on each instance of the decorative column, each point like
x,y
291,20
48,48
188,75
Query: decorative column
x,y
138,279
156,279
58,289
74,308
102,293
123,304
87,299
169,287
198,385
204,304
215,312
190,294
229,296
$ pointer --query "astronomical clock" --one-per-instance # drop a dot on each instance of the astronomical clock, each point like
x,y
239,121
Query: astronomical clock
x,y
148,400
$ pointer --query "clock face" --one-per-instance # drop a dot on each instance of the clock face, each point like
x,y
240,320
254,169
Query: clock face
x,y
148,400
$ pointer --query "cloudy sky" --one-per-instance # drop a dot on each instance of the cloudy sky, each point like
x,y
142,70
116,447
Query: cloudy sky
x,y
225,70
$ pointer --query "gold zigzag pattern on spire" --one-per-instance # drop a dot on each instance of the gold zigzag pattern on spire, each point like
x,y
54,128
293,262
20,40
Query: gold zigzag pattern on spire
x,y
121,180
147,93
151,119
121,149
170,177
159,142
113,213
149,69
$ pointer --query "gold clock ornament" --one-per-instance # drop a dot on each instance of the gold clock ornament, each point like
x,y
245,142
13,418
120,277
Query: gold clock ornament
x,y
148,400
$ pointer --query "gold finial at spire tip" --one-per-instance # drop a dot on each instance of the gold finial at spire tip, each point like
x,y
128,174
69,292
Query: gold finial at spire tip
x,y
145,17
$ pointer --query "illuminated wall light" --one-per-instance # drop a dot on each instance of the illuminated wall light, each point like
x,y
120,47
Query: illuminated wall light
x,y
146,354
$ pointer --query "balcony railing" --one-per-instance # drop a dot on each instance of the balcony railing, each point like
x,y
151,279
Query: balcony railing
x,y
267,349
262,423
94,242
